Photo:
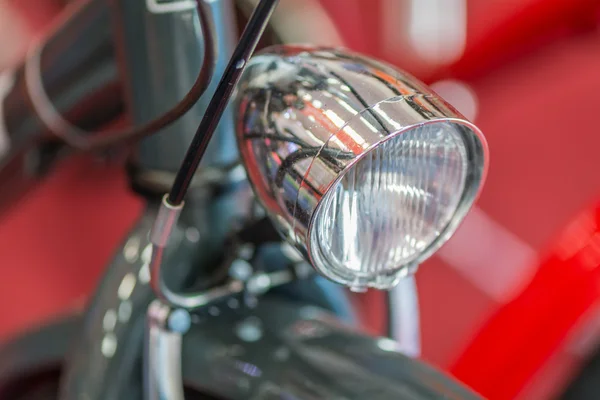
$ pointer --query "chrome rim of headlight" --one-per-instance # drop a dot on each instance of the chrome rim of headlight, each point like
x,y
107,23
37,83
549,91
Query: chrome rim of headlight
x,y
361,166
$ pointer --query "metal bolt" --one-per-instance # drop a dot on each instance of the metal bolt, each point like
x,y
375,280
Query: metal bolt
x,y
250,330
180,321
192,234
246,251
233,303
303,270
131,249
258,284
240,269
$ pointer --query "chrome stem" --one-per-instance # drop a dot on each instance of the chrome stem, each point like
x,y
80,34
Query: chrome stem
x,y
162,353
405,321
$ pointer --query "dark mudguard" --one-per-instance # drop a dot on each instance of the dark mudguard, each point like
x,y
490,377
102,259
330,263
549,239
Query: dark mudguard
x,y
301,352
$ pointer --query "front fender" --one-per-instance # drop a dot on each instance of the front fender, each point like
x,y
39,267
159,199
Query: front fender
x,y
281,350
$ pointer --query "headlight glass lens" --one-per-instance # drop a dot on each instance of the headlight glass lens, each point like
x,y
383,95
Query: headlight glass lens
x,y
393,203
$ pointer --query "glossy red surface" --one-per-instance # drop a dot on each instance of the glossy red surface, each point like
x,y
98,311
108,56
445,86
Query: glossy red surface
x,y
523,335
55,244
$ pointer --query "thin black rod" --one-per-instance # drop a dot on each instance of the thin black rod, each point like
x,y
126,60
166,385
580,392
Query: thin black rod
x,y
242,53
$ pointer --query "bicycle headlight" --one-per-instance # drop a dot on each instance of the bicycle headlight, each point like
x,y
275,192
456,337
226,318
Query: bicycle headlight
x,y
362,167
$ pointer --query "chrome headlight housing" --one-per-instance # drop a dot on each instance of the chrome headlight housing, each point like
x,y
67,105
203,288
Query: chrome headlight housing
x,y
361,166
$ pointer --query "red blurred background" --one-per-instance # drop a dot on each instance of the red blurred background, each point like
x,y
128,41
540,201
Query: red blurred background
x,y
528,75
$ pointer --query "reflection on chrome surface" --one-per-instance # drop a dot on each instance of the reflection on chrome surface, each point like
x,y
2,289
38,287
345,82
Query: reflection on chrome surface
x,y
312,121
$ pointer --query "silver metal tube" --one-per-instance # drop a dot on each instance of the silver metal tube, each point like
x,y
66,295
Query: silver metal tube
x,y
405,321
162,353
